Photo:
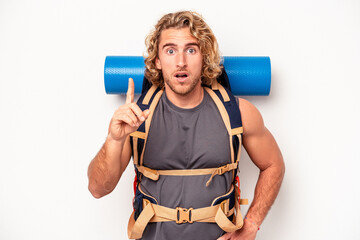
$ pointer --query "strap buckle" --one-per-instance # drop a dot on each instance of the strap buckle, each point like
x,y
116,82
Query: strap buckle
x,y
145,202
183,215
223,169
224,205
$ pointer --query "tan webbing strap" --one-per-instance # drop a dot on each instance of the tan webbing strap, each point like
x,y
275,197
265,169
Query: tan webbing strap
x,y
149,173
138,134
136,228
237,131
148,95
155,213
223,92
239,150
221,108
187,172
154,174
222,170
217,86
244,201
225,224
148,121
232,153
135,148
183,215
214,214
225,118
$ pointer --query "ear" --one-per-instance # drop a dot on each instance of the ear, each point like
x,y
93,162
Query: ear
x,y
158,63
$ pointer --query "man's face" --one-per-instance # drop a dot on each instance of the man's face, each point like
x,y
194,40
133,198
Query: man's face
x,y
180,60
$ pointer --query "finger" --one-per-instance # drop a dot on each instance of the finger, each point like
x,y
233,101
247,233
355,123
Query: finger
x,y
129,114
146,113
126,118
130,91
135,121
135,108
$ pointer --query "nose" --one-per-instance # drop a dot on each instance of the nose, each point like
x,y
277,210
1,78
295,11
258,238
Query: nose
x,y
181,60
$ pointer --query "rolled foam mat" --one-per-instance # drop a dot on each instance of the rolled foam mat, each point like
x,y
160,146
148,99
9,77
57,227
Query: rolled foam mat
x,y
247,75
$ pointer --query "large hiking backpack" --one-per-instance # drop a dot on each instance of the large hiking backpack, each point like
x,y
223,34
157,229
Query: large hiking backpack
x,y
224,210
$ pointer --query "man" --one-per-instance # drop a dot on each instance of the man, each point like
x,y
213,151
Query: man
x,y
187,132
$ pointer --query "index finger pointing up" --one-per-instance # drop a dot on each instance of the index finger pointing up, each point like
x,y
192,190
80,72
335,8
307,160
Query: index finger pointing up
x,y
130,91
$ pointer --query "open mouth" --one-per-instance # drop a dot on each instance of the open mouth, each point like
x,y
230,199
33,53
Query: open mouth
x,y
181,76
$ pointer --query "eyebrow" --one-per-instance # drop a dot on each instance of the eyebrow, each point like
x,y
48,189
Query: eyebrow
x,y
186,45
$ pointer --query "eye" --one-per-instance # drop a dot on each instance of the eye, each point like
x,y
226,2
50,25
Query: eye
x,y
170,51
191,50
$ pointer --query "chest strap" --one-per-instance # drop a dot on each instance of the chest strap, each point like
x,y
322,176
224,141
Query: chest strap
x,y
155,174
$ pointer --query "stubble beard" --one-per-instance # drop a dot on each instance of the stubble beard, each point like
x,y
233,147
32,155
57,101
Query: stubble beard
x,y
181,89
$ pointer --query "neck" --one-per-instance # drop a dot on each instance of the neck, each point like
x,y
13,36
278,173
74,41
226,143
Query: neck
x,y
190,100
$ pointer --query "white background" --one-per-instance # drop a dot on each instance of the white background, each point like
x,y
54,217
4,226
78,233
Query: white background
x,y
55,113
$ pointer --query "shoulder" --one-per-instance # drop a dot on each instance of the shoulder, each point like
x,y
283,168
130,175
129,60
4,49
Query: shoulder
x,y
252,120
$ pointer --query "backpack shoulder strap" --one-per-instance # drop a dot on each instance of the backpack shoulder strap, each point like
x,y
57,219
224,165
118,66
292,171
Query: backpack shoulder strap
x,y
230,113
148,100
231,106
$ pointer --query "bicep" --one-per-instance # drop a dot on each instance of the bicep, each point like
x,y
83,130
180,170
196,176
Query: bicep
x,y
257,139
262,149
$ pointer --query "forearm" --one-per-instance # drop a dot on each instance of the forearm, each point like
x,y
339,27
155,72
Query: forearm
x,y
266,190
105,169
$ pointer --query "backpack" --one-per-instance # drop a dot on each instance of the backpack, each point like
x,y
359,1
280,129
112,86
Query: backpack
x,y
222,210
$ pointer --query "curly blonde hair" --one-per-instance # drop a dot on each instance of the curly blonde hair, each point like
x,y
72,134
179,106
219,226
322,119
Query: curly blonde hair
x,y
200,30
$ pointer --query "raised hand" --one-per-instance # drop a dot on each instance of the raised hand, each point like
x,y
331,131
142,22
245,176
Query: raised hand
x,y
128,117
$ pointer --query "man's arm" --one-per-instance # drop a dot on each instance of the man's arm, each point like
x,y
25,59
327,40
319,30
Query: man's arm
x,y
265,153
106,168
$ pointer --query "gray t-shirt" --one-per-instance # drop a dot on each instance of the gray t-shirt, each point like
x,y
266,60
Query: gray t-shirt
x,y
186,139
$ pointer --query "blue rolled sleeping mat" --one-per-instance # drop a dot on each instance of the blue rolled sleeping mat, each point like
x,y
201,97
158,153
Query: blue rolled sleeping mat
x,y
248,76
